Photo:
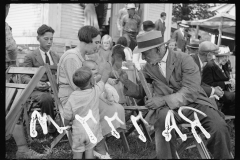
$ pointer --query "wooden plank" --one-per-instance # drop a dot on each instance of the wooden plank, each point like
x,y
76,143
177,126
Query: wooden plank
x,y
19,92
135,108
9,96
13,114
59,105
15,85
22,70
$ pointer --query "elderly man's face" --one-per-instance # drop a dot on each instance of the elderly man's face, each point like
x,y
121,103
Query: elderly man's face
x,y
154,55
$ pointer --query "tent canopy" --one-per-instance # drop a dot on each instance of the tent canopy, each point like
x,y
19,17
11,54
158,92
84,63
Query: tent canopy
x,y
212,24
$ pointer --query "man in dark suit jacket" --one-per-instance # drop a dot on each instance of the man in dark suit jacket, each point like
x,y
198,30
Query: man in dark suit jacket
x,y
160,24
180,36
38,58
176,82
200,58
41,93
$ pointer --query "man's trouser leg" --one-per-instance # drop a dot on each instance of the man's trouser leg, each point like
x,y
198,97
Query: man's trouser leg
x,y
164,149
219,143
46,104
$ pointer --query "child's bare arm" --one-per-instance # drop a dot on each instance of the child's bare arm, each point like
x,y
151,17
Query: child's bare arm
x,y
106,72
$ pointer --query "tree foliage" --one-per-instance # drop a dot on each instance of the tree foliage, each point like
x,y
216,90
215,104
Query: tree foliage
x,y
191,11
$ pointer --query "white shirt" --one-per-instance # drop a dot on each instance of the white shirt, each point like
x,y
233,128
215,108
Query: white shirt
x,y
162,64
201,65
161,20
44,57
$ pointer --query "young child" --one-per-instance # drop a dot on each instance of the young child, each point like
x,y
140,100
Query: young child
x,y
127,51
83,99
106,47
110,94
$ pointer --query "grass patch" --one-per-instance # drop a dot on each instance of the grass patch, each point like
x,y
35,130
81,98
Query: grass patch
x,y
138,149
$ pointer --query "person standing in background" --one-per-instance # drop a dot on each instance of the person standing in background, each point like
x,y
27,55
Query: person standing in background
x,y
122,12
90,15
180,36
11,46
160,23
193,47
131,25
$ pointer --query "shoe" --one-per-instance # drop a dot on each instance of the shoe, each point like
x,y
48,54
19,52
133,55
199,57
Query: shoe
x,y
30,154
100,156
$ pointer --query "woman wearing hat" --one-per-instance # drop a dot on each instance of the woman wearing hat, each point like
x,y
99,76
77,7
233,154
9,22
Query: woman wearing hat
x,y
214,74
176,82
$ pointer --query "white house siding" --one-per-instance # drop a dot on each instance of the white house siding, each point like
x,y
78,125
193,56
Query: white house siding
x,y
72,20
152,12
25,19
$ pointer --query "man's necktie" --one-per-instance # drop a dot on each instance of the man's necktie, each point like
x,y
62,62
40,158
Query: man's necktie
x,y
47,59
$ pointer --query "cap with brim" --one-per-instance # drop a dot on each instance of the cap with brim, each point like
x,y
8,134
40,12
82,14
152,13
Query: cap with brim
x,y
196,46
148,40
183,25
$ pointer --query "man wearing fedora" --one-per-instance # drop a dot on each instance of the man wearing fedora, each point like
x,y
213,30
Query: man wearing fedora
x,y
180,35
215,74
176,82
193,47
148,26
131,24
160,23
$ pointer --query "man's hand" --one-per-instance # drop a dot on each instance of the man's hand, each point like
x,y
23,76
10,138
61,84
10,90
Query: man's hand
x,y
123,76
154,103
218,91
232,81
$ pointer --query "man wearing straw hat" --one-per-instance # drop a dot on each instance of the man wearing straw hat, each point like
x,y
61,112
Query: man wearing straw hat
x,y
180,35
131,24
176,82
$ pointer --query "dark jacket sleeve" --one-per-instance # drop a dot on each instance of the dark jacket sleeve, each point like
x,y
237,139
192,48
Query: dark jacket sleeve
x,y
206,88
207,77
133,90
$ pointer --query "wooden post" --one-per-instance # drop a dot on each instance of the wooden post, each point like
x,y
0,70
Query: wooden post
x,y
220,33
196,34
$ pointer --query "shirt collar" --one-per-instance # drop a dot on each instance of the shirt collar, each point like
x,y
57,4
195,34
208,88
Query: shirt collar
x,y
43,53
162,20
132,16
165,57
201,64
